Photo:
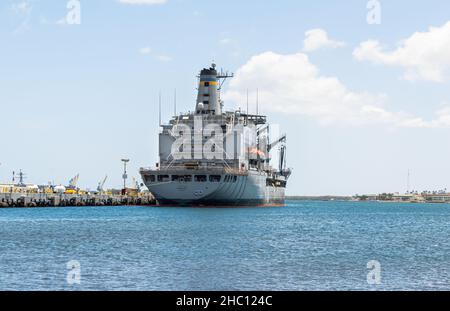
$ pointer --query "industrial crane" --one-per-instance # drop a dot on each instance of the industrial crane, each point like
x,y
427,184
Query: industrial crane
x,y
72,187
101,184
74,182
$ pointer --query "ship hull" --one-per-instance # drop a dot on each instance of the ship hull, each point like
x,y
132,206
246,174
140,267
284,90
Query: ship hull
x,y
248,189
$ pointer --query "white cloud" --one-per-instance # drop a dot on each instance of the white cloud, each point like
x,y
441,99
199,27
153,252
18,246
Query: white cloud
x,y
225,41
160,57
424,55
316,39
59,22
292,85
145,50
22,7
164,58
143,2
23,10
230,45
442,120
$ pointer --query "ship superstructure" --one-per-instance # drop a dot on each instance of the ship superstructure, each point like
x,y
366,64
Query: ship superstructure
x,y
211,157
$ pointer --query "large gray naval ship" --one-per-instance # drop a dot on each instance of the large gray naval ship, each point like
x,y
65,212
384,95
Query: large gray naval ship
x,y
210,157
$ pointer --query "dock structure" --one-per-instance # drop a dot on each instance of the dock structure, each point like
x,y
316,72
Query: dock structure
x,y
59,200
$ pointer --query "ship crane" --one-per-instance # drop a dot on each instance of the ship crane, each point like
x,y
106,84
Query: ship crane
x,y
262,129
282,139
282,163
282,157
283,171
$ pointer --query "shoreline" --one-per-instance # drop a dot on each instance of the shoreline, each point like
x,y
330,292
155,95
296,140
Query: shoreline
x,y
350,199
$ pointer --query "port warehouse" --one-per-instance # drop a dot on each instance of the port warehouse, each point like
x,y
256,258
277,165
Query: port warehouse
x,y
42,196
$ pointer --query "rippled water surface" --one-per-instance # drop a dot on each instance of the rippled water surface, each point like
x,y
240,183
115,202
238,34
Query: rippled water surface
x,y
303,246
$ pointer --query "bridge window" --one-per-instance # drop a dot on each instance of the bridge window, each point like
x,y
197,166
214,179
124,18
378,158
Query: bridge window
x,y
150,178
182,178
163,178
201,178
215,178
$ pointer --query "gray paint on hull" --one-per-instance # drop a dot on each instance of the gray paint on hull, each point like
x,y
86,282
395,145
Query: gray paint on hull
x,y
248,190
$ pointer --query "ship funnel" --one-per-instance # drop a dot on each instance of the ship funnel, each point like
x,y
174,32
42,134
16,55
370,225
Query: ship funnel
x,y
208,101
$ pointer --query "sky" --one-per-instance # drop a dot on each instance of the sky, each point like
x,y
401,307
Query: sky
x,y
361,88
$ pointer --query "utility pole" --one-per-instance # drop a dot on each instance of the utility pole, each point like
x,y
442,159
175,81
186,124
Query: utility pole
x,y
125,176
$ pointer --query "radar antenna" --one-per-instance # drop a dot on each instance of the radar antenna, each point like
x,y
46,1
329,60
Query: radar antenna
x,y
223,76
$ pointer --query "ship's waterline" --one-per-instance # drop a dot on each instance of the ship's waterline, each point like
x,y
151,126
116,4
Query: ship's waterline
x,y
216,158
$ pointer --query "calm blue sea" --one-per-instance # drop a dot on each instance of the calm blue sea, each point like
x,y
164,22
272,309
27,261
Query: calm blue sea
x,y
303,246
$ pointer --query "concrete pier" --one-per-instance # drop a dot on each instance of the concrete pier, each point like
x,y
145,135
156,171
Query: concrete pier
x,y
57,200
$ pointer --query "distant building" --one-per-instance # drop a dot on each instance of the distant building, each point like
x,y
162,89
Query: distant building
x,y
5,188
407,197
437,197
25,189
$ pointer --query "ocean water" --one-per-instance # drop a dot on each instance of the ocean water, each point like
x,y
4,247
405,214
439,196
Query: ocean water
x,y
303,246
